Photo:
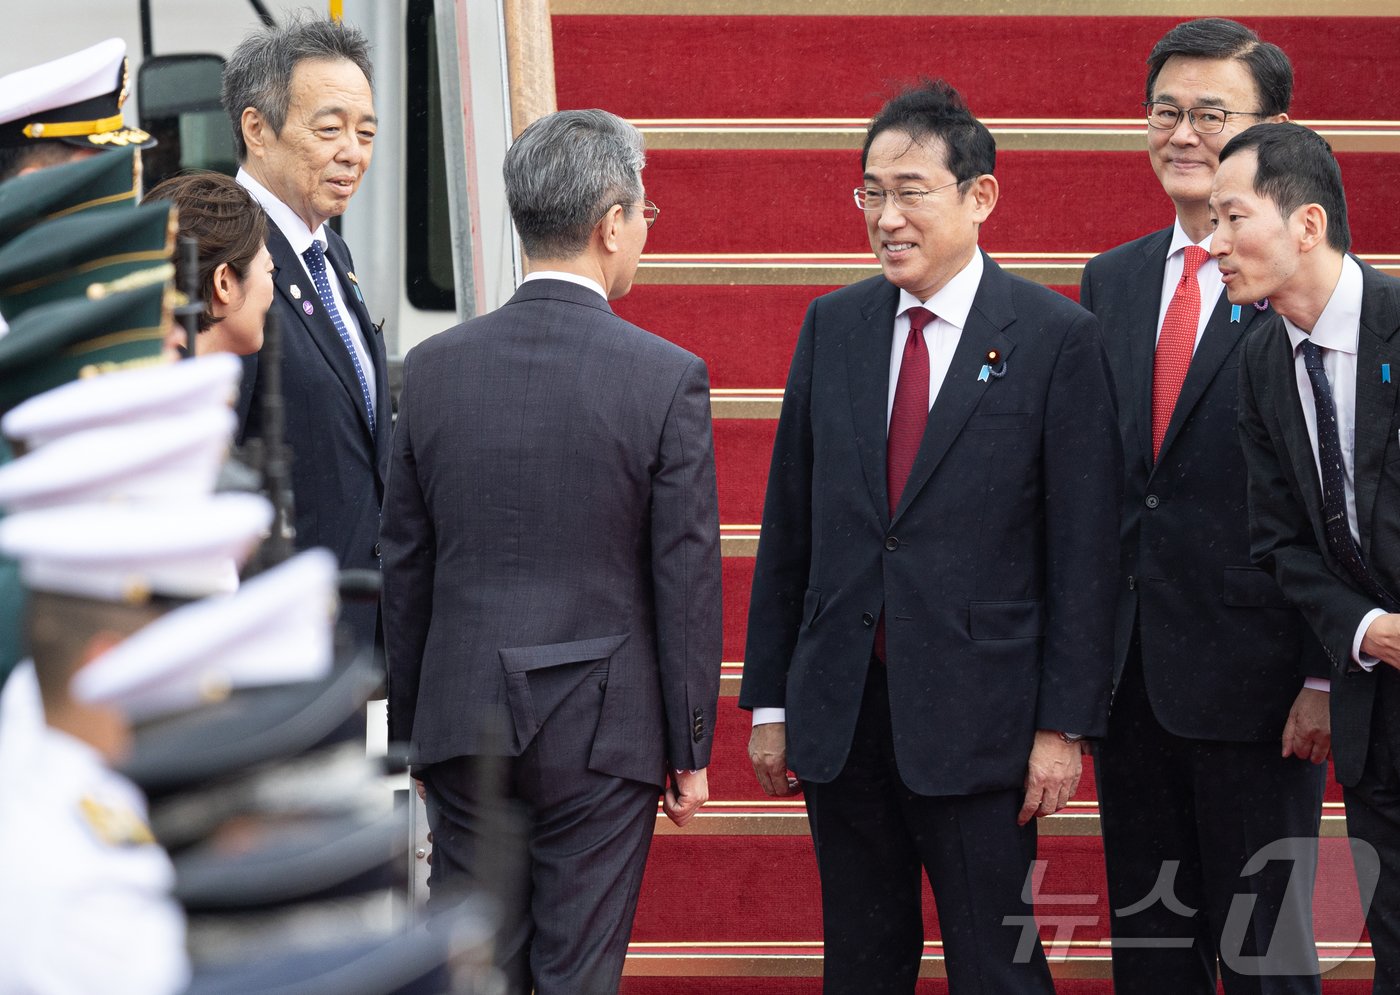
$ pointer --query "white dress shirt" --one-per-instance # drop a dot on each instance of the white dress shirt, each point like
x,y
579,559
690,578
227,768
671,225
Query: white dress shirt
x,y
582,281
300,238
1337,332
950,307
1207,277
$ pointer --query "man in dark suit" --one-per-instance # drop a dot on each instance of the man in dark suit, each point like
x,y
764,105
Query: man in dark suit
x,y
1210,659
551,566
1318,422
931,624
303,118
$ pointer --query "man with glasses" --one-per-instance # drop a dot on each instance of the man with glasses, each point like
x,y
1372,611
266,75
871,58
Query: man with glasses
x,y
931,624
552,571
1218,734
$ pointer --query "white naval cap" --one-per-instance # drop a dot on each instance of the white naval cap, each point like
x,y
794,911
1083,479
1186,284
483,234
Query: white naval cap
x,y
76,98
131,552
278,629
143,394
166,460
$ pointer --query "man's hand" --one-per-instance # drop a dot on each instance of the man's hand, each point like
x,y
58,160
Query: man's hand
x,y
1052,775
768,754
685,794
1307,734
1382,639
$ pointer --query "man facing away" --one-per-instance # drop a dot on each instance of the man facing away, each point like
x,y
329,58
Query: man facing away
x,y
1218,735
1318,425
302,108
551,567
931,625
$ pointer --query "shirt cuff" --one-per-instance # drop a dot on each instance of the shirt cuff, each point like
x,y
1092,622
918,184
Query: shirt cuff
x,y
1366,661
1317,683
767,716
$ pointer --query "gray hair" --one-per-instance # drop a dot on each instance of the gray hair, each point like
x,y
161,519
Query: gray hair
x,y
259,73
563,174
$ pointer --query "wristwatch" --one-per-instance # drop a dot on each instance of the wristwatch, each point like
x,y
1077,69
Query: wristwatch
x,y
1071,737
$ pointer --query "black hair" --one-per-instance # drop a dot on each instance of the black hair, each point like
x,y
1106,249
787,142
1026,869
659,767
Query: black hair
x,y
1296,167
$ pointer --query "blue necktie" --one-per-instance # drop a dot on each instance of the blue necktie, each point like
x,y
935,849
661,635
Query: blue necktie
x,y
315,258
1334,495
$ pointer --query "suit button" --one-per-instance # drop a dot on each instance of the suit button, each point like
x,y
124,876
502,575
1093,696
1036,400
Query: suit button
x,y
1152,501
891,544
603,684
376,551
867,619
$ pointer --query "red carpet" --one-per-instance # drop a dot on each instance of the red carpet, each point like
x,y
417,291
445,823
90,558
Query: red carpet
x,y
763,888
822,67
800,201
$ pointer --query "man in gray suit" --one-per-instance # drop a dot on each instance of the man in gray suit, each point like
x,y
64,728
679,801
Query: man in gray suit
x,y
551,568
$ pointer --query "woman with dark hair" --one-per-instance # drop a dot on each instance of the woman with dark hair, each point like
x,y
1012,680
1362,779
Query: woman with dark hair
x,y
235,270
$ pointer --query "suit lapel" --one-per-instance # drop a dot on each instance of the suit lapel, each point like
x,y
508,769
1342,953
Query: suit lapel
x,y
297,290
962,389
1221,336
1145,284
1375,400
373,336
868,370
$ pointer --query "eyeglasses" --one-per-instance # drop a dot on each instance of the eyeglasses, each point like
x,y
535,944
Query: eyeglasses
x,y
1204,120
907,198
650,212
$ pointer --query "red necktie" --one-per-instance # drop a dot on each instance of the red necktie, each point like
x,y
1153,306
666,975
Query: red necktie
x,y
910,413
907,423
1176,344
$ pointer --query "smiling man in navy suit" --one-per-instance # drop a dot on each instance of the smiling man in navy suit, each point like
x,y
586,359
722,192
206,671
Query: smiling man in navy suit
x,y
1218,733
302,108
931,625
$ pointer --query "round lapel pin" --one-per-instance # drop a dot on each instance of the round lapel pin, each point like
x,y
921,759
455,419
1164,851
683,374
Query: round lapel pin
x,y
306,306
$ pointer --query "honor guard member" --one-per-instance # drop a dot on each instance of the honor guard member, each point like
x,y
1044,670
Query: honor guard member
x,y
66,109
100,918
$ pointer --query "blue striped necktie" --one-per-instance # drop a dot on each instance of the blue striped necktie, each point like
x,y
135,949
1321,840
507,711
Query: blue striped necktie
x,y
315,258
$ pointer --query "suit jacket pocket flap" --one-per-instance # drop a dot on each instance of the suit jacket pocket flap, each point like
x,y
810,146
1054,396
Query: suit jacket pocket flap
x,y
1250,587
519,659
811,604
1004,619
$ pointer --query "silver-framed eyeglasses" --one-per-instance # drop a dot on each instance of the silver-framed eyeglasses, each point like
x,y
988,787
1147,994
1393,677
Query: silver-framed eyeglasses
x,y
906,198
1166,116
650,212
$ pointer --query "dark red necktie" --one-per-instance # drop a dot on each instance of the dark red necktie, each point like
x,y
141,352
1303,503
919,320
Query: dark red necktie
x,y
910,414
908,420
1176,344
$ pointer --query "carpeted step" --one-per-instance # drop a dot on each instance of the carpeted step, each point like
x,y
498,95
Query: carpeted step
x,y
770,893
743,448
821,67
786,201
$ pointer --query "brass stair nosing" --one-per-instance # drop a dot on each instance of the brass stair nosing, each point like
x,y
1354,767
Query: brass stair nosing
x,y
1011,134
1052,269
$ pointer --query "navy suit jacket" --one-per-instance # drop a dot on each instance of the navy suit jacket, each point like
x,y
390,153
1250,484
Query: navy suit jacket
x,y
551,512
1223,653
338,464
1285,498
996,571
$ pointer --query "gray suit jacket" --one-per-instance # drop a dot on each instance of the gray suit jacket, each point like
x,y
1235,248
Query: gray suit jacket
x,y
550,512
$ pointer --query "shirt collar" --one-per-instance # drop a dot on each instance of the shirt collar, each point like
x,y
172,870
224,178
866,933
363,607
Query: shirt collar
x,y
1339,325
574,278
953,302
298,236
1180,240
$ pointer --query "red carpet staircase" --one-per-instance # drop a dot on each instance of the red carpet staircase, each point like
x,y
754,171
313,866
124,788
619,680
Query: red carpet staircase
x,y
753,118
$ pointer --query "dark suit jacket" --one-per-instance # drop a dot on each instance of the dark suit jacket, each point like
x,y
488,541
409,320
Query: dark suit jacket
x,y
1285,498
337,463
996,573
551,509
1223,653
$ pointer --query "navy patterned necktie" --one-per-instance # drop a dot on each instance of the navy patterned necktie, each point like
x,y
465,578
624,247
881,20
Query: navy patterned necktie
x,y
315,258
1334,495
